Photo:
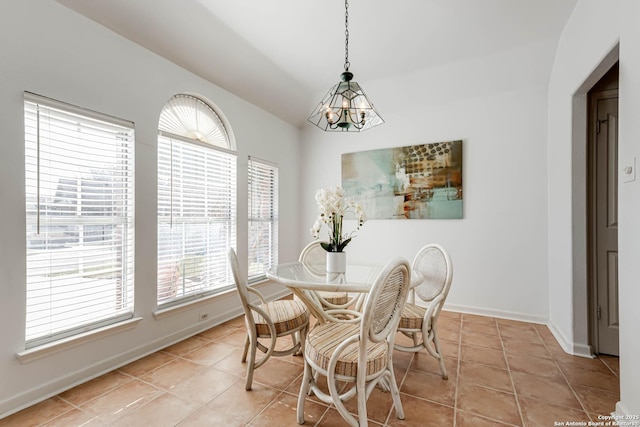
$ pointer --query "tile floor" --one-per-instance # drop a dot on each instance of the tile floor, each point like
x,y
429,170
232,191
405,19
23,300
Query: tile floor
x,y
501,373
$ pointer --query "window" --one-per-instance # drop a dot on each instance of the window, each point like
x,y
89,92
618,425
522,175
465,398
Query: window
x,y
196,201
79,218
263,218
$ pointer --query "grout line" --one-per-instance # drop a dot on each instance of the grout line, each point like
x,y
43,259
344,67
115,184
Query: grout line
x,y
513,383
555,361
584,409
404,377
492,420
73,407
101,394
607,365
248,423
324,414
413,396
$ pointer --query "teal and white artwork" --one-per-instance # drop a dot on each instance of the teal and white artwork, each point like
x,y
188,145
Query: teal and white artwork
x,y
413,182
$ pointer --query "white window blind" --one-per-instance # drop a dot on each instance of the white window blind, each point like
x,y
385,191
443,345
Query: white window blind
x,y
79,182
190,117
263,217
196,218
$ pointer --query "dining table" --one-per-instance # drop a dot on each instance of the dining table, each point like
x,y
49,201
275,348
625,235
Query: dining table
x,y
308,282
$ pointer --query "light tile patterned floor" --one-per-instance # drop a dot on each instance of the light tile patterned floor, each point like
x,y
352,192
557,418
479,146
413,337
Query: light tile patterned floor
x,y
501,372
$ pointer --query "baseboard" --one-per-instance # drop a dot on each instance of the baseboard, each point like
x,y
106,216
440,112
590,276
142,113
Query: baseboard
x,y
502,314
566,345
572,348
575,349
45,391
59,385
583,350
625,417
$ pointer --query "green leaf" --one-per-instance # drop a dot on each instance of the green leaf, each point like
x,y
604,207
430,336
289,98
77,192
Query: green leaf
x,y
342,245
326,246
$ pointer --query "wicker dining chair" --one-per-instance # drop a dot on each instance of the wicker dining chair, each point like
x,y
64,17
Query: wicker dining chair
x,y
314,257
433,265
359,353
268,320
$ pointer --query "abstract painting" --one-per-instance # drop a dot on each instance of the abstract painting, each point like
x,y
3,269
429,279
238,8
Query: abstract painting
x,y
413,182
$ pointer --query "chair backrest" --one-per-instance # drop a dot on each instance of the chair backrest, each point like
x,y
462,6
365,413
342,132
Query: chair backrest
x,y
433,264
241,284
314,257
385,301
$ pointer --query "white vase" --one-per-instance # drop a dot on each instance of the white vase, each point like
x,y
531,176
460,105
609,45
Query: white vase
x,y
336,262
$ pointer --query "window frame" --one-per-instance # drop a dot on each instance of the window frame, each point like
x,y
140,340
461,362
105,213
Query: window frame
x,y
262,166
171,289
88,207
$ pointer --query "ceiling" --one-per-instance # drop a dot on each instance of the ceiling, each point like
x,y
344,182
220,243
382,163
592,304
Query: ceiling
x,y
283,55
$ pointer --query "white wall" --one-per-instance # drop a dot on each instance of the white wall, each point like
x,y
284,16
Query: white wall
x,y
629,208
497,106
587,47
52,51
587,41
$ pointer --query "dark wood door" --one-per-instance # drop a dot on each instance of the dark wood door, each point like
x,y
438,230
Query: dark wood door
x,y
604,214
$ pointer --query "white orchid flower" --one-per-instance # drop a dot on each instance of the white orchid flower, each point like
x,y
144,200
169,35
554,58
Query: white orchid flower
x,y
332,208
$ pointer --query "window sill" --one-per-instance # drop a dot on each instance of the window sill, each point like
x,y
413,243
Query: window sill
x,y
161,313
45,350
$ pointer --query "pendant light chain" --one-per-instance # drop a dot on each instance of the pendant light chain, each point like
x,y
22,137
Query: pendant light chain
x,y
346,33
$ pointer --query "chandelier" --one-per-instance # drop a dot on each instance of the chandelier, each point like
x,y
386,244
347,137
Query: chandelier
x,y
345,108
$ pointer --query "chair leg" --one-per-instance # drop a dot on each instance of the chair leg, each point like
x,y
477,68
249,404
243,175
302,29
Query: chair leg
x,y
436,343
362,411
305,389
303,339
251,365
246,348
362,403
316,375
395,394
295,337
416,341
339,403
298,338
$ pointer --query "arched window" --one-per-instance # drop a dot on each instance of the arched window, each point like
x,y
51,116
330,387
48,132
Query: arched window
x,y
192,118
196,201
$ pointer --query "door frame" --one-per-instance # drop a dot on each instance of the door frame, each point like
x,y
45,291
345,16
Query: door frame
x,y
578,343
592,264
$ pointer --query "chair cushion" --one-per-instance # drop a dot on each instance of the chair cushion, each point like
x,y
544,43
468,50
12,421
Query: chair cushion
x,y
323,340
412,316
286,315
335,298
